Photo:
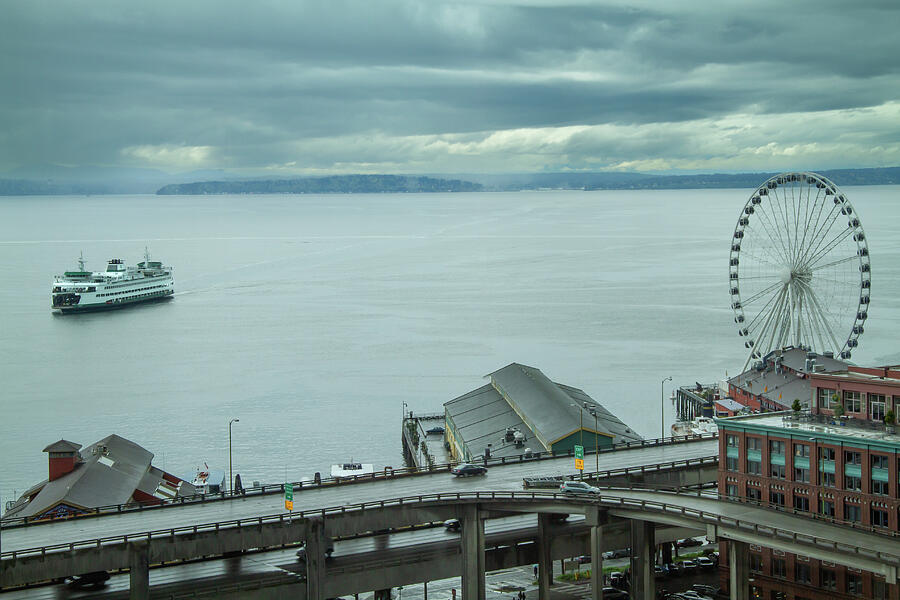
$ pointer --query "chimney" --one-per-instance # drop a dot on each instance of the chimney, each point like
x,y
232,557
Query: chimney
x,y
63,458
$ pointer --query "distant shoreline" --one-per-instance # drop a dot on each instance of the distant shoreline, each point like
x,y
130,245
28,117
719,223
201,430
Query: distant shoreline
x,y
393,184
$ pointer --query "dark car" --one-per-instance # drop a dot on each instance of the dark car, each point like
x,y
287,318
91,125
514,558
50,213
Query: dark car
x,y
671,569
689,542
435,430
452,525
96,579
611,593
617,579
464,470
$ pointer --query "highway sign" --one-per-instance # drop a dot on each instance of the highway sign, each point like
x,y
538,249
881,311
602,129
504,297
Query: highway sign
x,y
289,496
579,451
579,464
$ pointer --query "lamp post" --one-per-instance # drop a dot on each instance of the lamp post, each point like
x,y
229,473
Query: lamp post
x,y
662,407
230,471
596,443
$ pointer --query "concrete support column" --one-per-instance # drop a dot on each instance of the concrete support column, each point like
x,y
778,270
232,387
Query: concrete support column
x,y
596,520
545,560
139,571
643,550
315,558
472,540
383,594
739,567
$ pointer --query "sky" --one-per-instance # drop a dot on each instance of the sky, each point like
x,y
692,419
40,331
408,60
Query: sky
x,y
293,87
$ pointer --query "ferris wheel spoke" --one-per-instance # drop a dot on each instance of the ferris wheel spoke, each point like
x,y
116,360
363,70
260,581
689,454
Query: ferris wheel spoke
x,y
781,256
766,259
821,234
770,320
761,293
834,263
808,223
770,227
778,192
762,313
820,314
811,262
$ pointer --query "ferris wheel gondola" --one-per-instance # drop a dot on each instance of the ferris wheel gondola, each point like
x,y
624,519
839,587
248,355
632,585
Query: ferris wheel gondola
x,y
799,268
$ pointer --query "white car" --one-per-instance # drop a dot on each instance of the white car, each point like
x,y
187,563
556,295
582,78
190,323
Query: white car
x,y
578,487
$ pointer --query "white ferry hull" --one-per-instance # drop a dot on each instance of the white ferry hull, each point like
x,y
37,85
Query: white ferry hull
x,y
118,286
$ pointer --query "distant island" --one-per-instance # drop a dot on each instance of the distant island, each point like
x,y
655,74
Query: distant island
x,y
336,184
110,180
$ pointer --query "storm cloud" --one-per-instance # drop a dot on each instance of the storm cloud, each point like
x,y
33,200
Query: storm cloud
x,y
429,87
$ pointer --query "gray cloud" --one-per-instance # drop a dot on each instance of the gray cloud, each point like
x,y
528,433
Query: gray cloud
x,y
303,87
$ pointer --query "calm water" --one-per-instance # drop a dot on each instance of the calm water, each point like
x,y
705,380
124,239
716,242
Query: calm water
x,y
313,318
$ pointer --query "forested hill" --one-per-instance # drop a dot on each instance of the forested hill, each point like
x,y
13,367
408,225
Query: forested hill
x,y
338,184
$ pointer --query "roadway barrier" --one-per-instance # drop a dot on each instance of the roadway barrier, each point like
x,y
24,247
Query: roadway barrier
x,y
606,499
553,482
387,473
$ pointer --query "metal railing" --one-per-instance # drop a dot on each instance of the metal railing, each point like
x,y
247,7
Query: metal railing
x,y
386,473
607,500
625,471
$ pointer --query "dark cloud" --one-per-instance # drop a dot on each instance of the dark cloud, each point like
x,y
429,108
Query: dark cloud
x,y
437,86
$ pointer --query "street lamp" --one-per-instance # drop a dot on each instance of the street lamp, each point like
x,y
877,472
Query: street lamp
x,y
596,443
662,407
230,471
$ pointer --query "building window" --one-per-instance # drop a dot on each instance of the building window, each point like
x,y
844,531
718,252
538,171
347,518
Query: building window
x,y
879,517
827,479
777,499
731,463
852,513
854,583
776,447
753,467
754,443
731,441
853,483
754,494
801,475
731,490
801,450
852,458
876,407
879,461
852,402
801,503
756,564
826,508
879,592
823,396
777,471
880,488
802,573
826,454
779,568
827,579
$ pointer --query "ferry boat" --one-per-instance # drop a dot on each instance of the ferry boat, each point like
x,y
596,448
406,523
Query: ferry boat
x,y
118,285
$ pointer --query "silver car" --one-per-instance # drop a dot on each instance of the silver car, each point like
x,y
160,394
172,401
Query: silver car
x,y
578,487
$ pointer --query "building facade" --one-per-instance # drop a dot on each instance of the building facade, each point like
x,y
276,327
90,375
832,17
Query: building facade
x,y
812,464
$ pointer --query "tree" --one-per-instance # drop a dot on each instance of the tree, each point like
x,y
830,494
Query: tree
x,y
889,418
838,409
796,406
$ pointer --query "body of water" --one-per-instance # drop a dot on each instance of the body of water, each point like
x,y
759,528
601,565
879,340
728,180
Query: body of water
x,y
313,319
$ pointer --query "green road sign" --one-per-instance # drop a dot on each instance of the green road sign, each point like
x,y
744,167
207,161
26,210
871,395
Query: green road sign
x,y
289,492
579,451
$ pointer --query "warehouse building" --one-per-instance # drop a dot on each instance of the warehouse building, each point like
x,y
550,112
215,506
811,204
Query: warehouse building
x,y
521,411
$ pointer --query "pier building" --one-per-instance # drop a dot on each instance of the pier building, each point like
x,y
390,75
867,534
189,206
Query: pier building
x,y
836,470
112,471
522,411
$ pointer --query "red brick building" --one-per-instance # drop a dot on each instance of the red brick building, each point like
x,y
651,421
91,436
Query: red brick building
x,y
845,470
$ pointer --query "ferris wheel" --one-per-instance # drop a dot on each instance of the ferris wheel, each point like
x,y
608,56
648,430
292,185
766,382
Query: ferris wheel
x,y
799,269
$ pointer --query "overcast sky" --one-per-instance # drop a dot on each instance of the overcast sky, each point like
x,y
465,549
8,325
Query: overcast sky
x,y
425,86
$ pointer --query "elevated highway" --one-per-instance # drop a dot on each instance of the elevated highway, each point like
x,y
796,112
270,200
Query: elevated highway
x,y
507,476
